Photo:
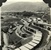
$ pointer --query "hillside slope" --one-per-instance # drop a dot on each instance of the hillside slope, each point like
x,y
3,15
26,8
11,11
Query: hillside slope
x,y
24,6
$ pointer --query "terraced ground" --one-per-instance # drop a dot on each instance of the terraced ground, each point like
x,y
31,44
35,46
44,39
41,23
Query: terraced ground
x,y
42,45
37,36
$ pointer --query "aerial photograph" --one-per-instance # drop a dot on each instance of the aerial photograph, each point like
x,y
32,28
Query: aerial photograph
x,y
25,26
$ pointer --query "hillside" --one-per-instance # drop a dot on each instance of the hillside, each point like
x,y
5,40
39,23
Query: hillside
x,y
24,6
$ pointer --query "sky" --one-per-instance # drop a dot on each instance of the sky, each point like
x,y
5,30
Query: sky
x,y
13,1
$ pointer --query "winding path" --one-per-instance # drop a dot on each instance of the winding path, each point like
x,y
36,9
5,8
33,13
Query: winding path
x,y
36,38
